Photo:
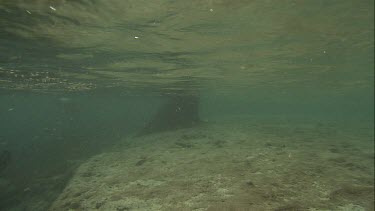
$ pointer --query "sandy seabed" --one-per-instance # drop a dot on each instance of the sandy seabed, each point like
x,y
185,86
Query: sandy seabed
x,y
224,166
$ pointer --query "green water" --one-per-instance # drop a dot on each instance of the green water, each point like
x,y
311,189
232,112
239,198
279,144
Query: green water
x,y
79,77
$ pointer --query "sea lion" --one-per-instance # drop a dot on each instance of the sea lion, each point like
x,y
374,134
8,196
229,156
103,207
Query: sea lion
x,y
5,158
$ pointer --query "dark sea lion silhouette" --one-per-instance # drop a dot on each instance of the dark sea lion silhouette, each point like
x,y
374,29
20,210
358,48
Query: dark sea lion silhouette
x,y
5,158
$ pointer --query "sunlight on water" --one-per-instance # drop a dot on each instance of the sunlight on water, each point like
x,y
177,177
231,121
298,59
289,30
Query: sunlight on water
x,y
197,44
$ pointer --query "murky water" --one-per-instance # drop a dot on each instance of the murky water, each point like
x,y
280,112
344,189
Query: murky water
x,y
80,78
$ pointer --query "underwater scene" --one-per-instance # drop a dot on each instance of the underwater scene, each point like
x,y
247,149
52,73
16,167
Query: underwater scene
x,y
199,105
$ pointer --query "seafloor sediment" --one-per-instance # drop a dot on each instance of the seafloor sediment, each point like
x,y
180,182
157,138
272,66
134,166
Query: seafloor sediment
x,y
243,166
